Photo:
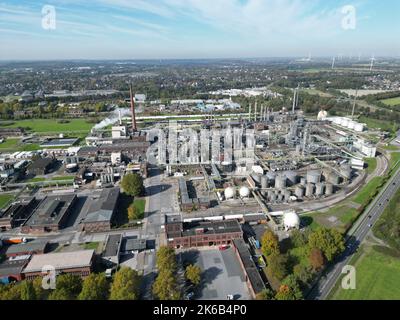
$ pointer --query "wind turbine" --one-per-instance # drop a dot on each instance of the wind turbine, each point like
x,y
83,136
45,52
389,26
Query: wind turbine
x,y
372,62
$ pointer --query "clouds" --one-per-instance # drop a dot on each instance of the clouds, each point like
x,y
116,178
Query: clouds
x,y
189,28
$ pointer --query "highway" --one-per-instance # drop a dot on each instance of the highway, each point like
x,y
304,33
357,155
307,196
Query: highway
x,y
354,239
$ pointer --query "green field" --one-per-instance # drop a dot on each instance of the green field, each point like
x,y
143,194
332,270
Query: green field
x,y
379,124
392,102
4,199
140,205
371,162
369,191
9,144
52,125
376,278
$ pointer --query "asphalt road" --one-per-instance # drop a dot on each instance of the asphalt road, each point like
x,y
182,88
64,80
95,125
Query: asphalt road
x,y
327,282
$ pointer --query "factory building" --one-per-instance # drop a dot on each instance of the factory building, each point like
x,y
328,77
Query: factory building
x,y
201,234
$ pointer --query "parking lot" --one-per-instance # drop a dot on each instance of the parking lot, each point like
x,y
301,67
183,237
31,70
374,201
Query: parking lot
x,y
221,274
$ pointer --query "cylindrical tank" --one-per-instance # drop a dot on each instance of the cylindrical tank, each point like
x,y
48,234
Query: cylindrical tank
x,y
273,196
303,181
264,184
280,182
359,127
280,197
345,170
329,189
309,190
319,189
314,176
333,178
229,193
351,125
271,178
244,192
256,177
287,194
291,177
299,192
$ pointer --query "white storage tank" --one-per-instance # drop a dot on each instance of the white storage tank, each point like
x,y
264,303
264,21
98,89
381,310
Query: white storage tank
x,y
314,176
230,193
291,220
244,192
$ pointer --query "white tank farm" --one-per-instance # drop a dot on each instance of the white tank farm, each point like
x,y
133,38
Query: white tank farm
x,y
291,220
244,192
230,193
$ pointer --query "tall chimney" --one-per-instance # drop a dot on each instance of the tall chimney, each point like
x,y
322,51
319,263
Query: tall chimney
x,y
134,127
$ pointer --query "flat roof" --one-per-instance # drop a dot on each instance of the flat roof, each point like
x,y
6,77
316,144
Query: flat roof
x,y
51,210
250,267
11,267
113,245
60,260
130,244
207,228
59,142
27,247
41,163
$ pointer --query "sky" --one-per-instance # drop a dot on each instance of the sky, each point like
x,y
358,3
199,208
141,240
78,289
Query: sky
x,y
189,29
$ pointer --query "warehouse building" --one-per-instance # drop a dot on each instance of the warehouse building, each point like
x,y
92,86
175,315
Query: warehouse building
x,y
101,211
51,214
201,234
17,213
77,262
41,166
30,248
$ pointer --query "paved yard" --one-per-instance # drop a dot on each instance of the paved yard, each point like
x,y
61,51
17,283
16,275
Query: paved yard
x,y
222,274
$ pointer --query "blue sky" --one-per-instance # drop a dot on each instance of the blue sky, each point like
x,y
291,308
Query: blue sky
x,y
162,29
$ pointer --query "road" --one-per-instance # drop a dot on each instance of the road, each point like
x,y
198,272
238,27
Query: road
x,y
160,200
356,236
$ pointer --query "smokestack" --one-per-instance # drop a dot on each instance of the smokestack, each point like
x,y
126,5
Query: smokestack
x,y
134,127
120,117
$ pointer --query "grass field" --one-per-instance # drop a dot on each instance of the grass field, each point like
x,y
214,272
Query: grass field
x,y
394,160
140,205
53,126
368,191
371,163
376,276
4,199
379,124
9,144
392,102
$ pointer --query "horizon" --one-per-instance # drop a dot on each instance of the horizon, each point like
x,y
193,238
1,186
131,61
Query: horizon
x,y
193,29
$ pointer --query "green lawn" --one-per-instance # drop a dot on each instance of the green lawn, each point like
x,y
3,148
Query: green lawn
x,y
4,199
394,160
391,148
392,102
377,277
369,191
371,163
140,205
9,144
63,178
53,126
381,124
91,245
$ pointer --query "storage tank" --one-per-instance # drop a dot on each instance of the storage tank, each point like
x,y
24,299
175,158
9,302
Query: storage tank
x,y
244,192
345,122
303,181
329,189
271,195
287,194
291,177
359,127
271,178
256,177
229,193
264,184
291,220
280,182
351,125
309,190
314,176
333,178
299,192
346,170
280,197
319,189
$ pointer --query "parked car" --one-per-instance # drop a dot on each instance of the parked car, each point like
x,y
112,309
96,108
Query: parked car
x,y
223,247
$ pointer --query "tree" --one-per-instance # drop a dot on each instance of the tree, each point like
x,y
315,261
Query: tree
x,y
40,293
316,259
126,285
303,274
166,259
294,292
133,184
269,243
11,292
132,212
329,241
165,286
68,287
193,274
266,294
277,266
94,287
27,290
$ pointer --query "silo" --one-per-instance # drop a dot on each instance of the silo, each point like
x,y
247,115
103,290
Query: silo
x,y
256,177
280,182
264,185
287,194
273,197
345,170
280,197
291,177
299,192
314,176
329,189
319,189
271,178
309,190
333,178
303,181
